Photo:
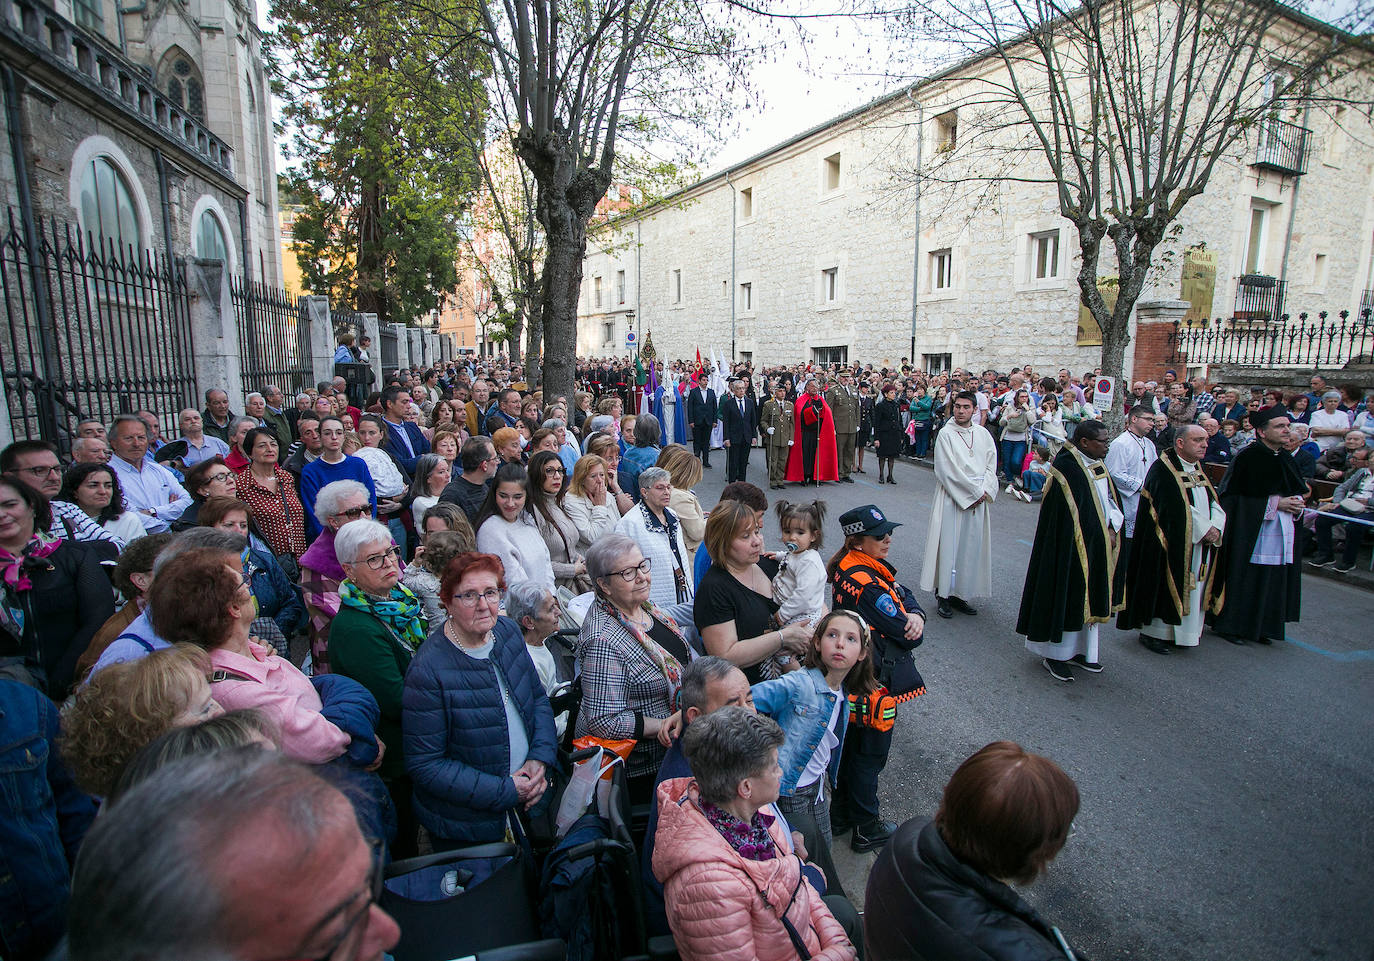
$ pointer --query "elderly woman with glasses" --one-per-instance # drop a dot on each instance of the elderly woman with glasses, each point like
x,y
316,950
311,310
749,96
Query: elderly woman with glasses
x,y
654,526
336,505
632,655
209,478
478,729
731,886
377,631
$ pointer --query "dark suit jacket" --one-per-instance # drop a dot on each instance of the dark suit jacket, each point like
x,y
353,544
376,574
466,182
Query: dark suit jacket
x,y
396,447
699,412
739,429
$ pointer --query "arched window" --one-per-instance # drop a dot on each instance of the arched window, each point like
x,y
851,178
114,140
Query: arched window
x,y
180,80
108,211
210,243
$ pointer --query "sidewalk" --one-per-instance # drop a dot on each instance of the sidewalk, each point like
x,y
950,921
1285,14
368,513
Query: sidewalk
x,y
1361,577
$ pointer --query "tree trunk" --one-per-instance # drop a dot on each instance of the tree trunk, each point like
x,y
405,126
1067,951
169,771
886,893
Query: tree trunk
x,y
534,349
562,287
1115,338
514,335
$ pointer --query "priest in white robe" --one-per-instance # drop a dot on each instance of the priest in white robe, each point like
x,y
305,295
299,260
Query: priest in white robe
x,y
958,563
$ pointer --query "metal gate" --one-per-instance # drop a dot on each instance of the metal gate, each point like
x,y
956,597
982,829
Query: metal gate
x,y
91,331
274,337
390,349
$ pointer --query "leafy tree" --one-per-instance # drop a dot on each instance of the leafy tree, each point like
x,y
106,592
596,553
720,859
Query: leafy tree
x,y
1125,109
374,95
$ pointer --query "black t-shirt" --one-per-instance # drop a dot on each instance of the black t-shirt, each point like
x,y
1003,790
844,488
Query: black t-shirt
x,y
670,642
721,598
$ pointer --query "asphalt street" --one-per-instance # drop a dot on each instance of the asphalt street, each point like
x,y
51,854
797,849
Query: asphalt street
x,y
1227,792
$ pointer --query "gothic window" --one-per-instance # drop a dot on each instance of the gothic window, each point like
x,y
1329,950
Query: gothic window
x,y
108,213
210,243
180,80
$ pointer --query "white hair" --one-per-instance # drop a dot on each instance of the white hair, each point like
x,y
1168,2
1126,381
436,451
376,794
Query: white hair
x,y
331,495
352,538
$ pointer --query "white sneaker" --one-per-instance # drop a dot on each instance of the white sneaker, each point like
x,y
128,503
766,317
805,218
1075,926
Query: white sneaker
x,y
1010,489
1024,496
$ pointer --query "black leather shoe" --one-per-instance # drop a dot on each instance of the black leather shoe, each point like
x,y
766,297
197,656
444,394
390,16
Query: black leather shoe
x,y
942,607
1234,639
1156,645
872,835
846,480
962,606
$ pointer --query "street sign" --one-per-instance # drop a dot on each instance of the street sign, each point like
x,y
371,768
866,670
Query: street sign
x,y
630,340
1103,393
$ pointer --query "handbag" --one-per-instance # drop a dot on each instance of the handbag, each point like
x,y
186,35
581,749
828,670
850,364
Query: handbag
x,y
1352,505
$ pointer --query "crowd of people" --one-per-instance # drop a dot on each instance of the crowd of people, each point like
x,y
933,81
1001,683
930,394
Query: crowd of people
x,y
321,625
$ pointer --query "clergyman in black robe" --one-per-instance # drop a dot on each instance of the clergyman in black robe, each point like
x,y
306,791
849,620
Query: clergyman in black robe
x,y
1260,560
1069,580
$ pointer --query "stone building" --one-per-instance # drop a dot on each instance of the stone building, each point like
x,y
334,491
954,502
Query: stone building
x,y
818,249
145,125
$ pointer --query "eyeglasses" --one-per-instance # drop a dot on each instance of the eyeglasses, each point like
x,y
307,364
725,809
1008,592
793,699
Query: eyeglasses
x,y
375,878
551,471
353,513
39,473
219,478
470,598
630,574
378,562
662,488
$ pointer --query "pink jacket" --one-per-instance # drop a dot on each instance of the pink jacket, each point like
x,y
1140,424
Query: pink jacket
x,y
278,689
723,906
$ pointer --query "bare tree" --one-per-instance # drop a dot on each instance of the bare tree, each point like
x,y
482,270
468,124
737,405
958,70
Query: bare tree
x,y
1125,108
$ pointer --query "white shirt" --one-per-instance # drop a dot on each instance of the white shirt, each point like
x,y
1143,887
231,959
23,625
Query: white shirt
x,y
820,758
152,488
1322,419
385,475
1115,519
1128,461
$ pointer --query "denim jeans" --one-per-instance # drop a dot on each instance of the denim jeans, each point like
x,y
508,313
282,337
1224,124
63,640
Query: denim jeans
x,y
1033,481
921,446
1013,455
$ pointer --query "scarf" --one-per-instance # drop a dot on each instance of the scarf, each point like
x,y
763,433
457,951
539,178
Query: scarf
x,y
14,571
752,841
399,611
320,556
665,662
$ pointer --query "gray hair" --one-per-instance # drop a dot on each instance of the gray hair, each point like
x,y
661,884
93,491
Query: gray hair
x,y
234,424
524,598
648,431
299,396
194,538
256,394
329,498
602,555
353,537
650,476
553,423
727,746
1297,427
1330,394
697,677
146,888
135,419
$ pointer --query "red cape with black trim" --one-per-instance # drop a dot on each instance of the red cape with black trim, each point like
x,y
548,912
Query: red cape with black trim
x,y
827,456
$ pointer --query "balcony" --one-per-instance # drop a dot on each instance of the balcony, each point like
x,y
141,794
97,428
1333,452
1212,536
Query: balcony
x,y
1259,297
1281,147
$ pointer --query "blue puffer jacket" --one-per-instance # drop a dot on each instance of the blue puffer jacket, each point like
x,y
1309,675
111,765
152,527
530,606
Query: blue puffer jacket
x,y
456,746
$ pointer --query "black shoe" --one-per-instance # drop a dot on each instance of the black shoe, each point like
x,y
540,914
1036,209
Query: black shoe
x,y
839,829
1092,667
872,835
962,606
1266,641
1156,645
1343,568
1235,639
1323,560
846,479
1058,669
942,607
858,470
890,480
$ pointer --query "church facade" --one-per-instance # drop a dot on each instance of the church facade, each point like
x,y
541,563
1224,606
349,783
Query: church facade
x,y
145,126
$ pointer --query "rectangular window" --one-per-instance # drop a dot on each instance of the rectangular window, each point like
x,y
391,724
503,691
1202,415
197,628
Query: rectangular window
x,y
1254,249
620,286
677,287
829,355
613,192
942,269
937,363
746,296
89,15
1045,255
830,284
947,131
596,291
832,172
1319,272
608,330
746,203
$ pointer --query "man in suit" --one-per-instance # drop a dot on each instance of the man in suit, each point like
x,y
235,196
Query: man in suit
x,y
844,406
701,413
775,425
739,420
404,440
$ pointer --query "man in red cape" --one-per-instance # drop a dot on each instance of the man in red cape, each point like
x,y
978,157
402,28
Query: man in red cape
x,y
814,457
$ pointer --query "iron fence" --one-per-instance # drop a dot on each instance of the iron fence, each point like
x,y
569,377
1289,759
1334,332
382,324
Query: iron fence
x,y
1260,297
274,336
1323,342
91,331
390,348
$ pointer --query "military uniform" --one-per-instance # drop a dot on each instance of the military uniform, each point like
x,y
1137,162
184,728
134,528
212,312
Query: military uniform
x,y
777,415
844,407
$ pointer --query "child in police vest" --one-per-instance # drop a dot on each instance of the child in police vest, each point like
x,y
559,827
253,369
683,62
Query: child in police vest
x,y
812,707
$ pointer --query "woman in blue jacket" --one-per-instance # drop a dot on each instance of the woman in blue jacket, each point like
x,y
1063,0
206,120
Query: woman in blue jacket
x,y
477,727
812,707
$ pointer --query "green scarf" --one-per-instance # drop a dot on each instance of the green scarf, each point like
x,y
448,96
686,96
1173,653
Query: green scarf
x,y
400,611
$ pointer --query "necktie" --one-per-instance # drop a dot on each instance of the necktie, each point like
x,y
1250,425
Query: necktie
x,y
741,406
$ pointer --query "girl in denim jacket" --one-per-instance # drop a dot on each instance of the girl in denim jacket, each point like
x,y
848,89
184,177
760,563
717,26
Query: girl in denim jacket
x,y
812,707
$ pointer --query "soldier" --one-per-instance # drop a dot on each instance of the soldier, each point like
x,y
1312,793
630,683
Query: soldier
x,y
775,426
844,406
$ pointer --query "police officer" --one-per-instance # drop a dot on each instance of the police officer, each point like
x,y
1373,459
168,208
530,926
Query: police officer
x,y
844,407
776,433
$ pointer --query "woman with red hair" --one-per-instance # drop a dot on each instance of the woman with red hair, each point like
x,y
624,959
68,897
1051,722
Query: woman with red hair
x,y
478,729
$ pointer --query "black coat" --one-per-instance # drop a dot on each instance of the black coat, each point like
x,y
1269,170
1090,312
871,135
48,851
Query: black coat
x,y
887,428
924,904
701,413
737,428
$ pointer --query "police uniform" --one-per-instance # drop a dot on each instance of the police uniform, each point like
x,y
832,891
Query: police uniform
x,y
778,416
844,408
